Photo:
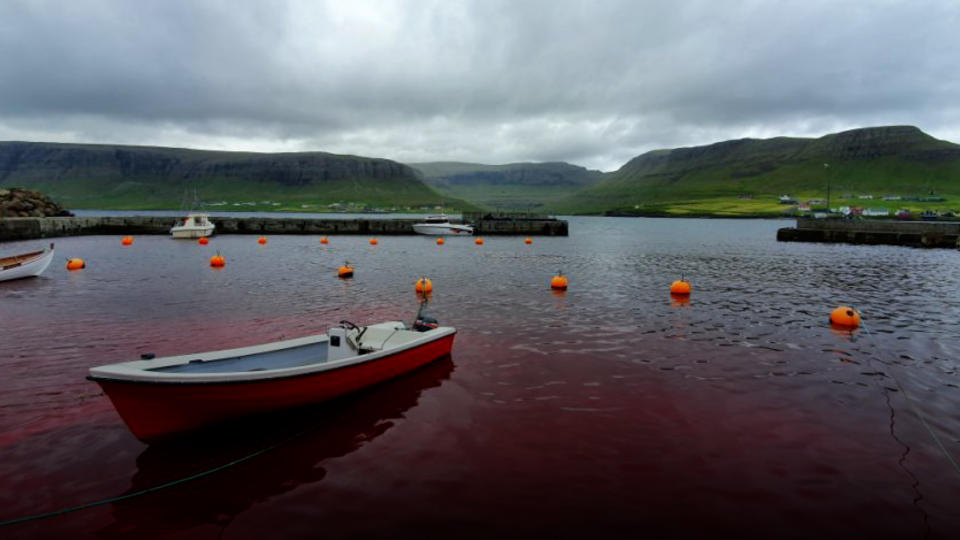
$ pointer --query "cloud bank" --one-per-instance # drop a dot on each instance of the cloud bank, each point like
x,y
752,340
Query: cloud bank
x,y
592,83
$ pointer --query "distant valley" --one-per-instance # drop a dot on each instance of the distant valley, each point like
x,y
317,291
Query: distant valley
x,y
515,186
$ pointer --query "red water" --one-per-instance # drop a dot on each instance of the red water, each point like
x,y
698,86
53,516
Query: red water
x,y
608,410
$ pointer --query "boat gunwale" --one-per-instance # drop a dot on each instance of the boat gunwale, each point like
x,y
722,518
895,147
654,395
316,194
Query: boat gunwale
x,y
21,259
136,371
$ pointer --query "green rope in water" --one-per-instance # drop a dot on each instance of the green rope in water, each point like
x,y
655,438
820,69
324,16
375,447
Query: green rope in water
x,y
190,478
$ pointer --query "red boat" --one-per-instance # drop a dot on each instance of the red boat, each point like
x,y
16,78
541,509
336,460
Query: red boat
x,y
162,397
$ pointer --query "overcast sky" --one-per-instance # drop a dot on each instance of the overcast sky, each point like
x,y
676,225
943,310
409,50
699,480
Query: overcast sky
x,y
593,83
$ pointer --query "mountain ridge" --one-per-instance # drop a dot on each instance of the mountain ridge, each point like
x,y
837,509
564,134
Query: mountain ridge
x,y
894,158
121,175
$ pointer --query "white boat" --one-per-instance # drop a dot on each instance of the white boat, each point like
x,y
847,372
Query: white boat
x,y
441,226
192,226
161,397
25,265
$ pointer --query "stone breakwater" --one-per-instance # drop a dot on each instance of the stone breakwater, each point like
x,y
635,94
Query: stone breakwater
x,y
933,234
36,227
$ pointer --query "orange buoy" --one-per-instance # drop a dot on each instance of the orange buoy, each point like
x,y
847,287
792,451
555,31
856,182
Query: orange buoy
x,y
373,241
218,261
846,317
203,241
441,241
680,287
423,285
127,241
559,282
262,240
76,264
345,271
324,240
478,241
528,241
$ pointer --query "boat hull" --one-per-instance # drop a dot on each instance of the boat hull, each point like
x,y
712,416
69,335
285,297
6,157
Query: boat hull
x,y
25,269
191,232
442,229
156,411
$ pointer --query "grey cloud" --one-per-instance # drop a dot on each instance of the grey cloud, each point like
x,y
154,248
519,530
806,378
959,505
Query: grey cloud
x,y
594,83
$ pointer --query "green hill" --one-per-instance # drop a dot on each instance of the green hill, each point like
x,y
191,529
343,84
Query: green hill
x,y
140,177
746,176
514,186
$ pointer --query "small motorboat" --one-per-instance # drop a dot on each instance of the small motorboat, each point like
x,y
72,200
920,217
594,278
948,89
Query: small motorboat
x,y
441,226
25,265
161,397
193,226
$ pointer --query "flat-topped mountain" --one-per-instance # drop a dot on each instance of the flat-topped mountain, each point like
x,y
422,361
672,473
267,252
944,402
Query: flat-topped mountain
x,y
510,186
115,176
893,160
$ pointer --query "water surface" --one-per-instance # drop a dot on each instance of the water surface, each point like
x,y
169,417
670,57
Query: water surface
x,y
606,410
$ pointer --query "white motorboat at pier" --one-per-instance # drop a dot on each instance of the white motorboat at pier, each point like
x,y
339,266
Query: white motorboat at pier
x,y
441,226
193,226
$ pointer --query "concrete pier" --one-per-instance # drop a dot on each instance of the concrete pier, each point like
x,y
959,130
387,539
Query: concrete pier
x,y
932,234
31,228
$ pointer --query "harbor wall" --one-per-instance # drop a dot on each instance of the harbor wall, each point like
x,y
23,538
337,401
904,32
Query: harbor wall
x,y
932,234
49,227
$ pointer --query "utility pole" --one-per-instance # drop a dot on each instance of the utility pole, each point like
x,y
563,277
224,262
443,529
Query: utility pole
x,y
826,166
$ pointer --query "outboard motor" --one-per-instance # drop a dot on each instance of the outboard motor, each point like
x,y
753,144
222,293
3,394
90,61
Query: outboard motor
x,y
425,323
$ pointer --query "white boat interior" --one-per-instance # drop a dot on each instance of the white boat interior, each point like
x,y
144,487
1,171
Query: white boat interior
x,y
341,346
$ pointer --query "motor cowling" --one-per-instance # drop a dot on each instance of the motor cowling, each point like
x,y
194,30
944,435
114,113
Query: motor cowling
x,y
425,323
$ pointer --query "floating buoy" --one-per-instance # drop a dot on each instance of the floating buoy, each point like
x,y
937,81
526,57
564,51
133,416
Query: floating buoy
x,y
680,287
324,240
441,241
478,241
203,241
528,241
218,261
423,286
127,241
345,271
76,264
373,241
262,240
846,317
559,282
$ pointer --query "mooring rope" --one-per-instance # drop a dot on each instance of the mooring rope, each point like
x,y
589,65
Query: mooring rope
x,y
208,472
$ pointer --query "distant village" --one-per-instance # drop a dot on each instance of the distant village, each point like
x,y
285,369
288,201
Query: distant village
x,y
346,207
818,207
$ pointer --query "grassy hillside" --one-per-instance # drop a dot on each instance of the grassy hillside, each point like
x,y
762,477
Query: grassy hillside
x,y
746,177
133,177
514,186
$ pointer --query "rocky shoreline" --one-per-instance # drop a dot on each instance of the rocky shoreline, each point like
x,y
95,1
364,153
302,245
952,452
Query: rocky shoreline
x,y
19,202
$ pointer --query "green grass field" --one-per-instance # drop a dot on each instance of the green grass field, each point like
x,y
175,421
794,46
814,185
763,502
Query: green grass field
x,y
265,196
